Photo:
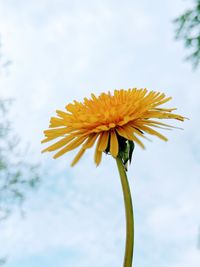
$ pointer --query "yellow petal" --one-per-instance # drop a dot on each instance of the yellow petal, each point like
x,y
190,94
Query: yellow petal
x,y
114,146
98,154
153,132
59,144
97,157
160,123
136,131
47,139
103,141
74,144
57,122
122,132
166,109
90,142
63,114
126,132
162,102
137,140
101,128
78,156
60,131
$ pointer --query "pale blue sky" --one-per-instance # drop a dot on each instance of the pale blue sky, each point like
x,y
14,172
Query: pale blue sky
x,y
64,50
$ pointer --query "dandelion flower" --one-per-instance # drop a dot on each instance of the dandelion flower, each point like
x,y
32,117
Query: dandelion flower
x,y
107,119
114,123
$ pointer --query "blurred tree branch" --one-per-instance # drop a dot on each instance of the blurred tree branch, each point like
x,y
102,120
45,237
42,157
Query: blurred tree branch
x,y
2,261
188,30
17,175
4,63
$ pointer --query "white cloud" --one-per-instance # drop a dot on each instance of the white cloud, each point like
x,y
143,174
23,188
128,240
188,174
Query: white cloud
x,y
190,258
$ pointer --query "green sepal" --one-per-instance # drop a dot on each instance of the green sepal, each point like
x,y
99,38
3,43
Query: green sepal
x,y
131,148
126,148
126,153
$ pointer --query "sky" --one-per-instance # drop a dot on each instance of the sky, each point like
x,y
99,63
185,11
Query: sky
x,y
65,50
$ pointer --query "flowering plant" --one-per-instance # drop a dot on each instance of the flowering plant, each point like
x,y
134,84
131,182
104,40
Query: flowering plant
x,y
115,122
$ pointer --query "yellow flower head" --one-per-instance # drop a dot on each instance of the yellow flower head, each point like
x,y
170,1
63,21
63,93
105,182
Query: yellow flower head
x,y
109,120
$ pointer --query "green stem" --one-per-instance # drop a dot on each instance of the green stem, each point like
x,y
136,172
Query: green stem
x,y
129,214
